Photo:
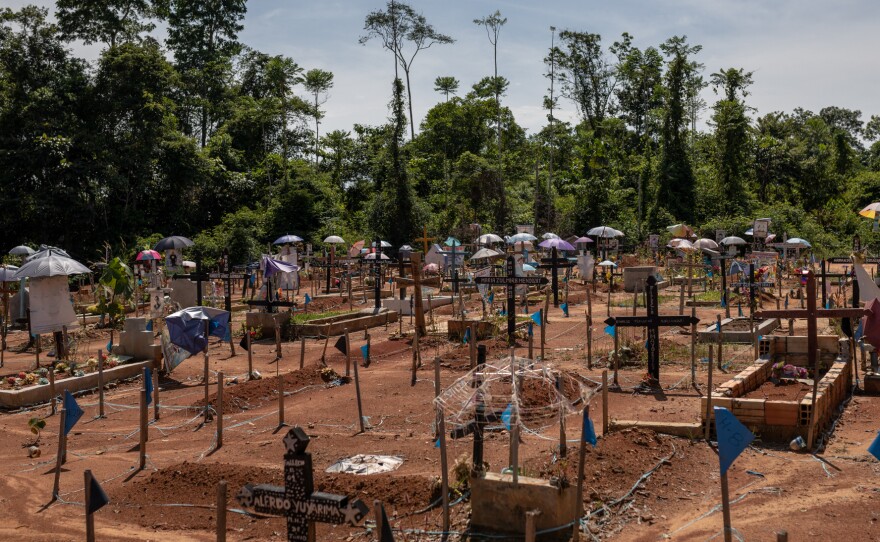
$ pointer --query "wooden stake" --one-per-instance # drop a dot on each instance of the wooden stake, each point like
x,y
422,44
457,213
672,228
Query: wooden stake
x,y
369,351
52,391
219,406
582,458
277,339
156,390
324,352
563,444
90,520
589,340
100,384
514,421
415,356
142,448
708,429
604,401
543,333
302,352
205,375
247,334
616,358
357,390
473,345
782,536
725,508
693,346
221,511
531,520
62,444
347,353
720,342
444,467
531,342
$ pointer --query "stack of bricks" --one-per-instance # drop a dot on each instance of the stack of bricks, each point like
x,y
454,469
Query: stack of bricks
x,y
832,390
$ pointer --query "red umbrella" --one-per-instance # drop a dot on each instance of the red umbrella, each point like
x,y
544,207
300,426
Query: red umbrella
x,y
871,323
147,255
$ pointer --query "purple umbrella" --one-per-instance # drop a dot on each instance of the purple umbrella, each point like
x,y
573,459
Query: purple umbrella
x,y
580,240
560,244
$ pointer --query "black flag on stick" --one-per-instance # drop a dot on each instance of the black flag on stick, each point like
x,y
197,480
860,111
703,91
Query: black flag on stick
x,y
97,497
341,345
386,535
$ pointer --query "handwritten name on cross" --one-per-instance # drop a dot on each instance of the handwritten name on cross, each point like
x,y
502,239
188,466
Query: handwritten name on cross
x,y
554,263
297,500
511,281
653,321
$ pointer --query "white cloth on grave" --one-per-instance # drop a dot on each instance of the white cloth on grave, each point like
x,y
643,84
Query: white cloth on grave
x,y
51,306
434,256
868,289
586,264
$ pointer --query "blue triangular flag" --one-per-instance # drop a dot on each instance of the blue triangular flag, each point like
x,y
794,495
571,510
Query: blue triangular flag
x,y
564,308
228,335
874,448
437,443
467,335
253,279
531,331
646,344
149,325
308,299
109,345
828,304
212,325
72,412
491,297
536,317
148,385
505,416
859,331
589,431
610,330
733,437
723,302
502,313
365,351
786,302
740,311
97,497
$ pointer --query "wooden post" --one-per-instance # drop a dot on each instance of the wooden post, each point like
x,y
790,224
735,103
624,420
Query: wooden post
x,y
347,353
582,458
280,378
221,511
416,356
616,358
277,339
357,391
416,266
609,296
720,342
782,536
543,332
531,517
725,509
51,386
708,429
90,520
473,345
369,354
531,342
563,440
324,352
100,384
589,340
62,444
247,334
142,447
693,346
605,401
681,298
514,421
155,390
219,406
377,512
205,372
441,430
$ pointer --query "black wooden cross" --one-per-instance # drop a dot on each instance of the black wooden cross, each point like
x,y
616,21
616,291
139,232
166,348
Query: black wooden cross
x,y
227,276
199,277
298,500
554,263
752,286
376,264
652,322
722,258
511,281
456,280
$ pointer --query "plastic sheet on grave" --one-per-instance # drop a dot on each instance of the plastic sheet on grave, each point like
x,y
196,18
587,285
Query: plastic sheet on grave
x,y
364,464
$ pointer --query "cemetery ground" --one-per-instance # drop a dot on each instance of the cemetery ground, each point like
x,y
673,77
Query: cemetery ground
x,y
639,485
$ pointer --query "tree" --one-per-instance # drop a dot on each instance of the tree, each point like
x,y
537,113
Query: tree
x,y
447,85
395,26
282,73
204,37
105,21
587,75
732,138
318,82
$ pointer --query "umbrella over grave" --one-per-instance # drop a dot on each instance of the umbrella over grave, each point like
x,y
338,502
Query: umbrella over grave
x,y
7,272
50,266
22,250
604,232
560,244
186,328
174,242
287,240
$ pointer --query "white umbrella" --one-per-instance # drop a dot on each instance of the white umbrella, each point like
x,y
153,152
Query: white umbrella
x,y
49,266
549,235
733,240
605,231
520,237
372,256
47,251
7,272
681,244
487,238
705,243
334,239
484,253
22,250
287,239
607,263
797,242
383,244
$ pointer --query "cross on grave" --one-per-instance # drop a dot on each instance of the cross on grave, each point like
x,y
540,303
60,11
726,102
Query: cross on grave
x,y
554,262
456,280
227,276
376,265
198,276
652,322
511,281
425,239
825,275
297,500
811,314
752,286
722,258
454,264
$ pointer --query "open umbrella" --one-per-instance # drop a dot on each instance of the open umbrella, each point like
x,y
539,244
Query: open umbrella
x,y
872,211
487,238
383,244
46,250
680,244
452,242
680,230
485,253
521,237
174,242
276,266
736,268
7,272
607,263
582,240
705,244
49,266
549,235
556,243
797,242
287,240
605,232
147,255
334,239
186,328
406,248
733,240
372,256
22,250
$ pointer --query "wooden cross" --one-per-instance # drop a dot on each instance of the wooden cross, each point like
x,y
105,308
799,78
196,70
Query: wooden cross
x,y
376,264
511,281
652,322
554,263
227,276
824,275
298,500
811,314
752,286
722,258
425,239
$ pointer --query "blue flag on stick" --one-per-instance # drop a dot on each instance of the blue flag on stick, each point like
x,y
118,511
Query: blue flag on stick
x,y
531,331
589,432
536,317
467,335
308,299
148,384
491,297
437,443
72,412
859,331
610,330
149,325
365,351
874,448
97,497
733,437
505,416
564,308
109,345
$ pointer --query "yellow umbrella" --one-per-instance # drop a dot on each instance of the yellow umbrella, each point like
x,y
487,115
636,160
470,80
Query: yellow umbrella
x,y
871,211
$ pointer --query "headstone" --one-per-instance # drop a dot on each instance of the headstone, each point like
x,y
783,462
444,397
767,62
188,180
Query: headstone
x,y
297,500
183,292
136,341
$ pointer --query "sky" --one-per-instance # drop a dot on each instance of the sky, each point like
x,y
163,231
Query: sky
x,y
804,53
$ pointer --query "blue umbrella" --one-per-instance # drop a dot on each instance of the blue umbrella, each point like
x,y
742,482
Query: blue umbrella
x,y
186,328
736,268
287,239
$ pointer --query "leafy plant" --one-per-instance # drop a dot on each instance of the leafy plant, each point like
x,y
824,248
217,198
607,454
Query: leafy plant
x,y
36,425
116,287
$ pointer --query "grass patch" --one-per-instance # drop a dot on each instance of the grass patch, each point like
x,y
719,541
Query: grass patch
x,y
304,317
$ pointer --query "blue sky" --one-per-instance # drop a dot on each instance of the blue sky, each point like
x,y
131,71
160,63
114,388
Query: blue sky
x,y
804,53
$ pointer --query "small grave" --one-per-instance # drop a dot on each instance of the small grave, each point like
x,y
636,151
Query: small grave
x,y
336,325
738,330
780,413
136,341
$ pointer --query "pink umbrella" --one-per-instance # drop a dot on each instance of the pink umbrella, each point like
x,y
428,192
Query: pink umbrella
x,y
580,240
557,243
871,323
147,255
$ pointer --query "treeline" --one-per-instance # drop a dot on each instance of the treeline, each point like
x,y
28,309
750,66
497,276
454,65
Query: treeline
x,y
200,135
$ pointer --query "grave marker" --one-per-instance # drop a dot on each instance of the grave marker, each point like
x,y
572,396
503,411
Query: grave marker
x,y
511,281
198,276
554,263
297,500
652,322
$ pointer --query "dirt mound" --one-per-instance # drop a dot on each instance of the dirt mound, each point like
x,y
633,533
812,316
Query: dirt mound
x,y
786,390
253,393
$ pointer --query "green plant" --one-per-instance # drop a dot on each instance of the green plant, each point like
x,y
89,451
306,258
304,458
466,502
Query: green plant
x,y
36,425
116,286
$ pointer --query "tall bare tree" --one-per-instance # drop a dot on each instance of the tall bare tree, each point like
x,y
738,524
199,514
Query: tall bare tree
x,y
318,82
